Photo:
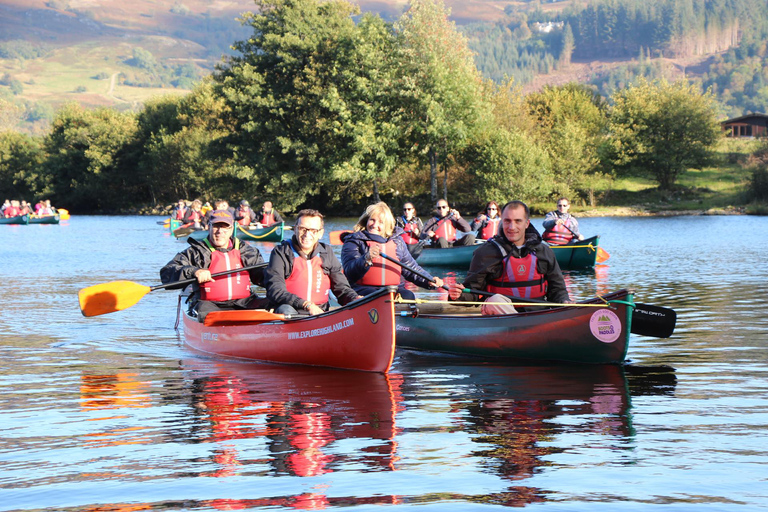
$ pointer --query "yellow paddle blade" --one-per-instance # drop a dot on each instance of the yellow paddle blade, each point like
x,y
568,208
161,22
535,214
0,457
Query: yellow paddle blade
x,y
602,255
109,297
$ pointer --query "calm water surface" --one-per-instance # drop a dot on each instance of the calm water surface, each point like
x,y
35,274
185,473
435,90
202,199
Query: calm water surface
x,y
112,413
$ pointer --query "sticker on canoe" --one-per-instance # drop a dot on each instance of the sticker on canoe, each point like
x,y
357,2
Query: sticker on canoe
x,y
373,314
349,322
605,325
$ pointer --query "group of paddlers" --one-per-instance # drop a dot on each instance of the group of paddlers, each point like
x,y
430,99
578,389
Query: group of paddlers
x,y
515,262
16,208
197,215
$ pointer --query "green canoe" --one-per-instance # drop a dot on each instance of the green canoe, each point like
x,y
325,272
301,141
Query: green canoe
x,y
21,219
269,234
597,333
580,254
45,219
458,257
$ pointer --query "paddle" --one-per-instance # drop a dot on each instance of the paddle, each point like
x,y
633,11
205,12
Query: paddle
x,y
647,319
602,254
406,267
104,298
335,236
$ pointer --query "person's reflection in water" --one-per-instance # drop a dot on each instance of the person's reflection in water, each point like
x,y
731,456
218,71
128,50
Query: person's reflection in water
x,y
520,414
301,412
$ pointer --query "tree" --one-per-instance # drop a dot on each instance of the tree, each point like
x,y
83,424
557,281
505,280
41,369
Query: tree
x,y
661,129
21,158
439,83
307,107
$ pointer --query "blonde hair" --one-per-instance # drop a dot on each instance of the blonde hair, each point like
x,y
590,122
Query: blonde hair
x,y
379,209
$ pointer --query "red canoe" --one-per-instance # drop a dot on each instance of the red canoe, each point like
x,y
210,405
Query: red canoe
x,y
359,336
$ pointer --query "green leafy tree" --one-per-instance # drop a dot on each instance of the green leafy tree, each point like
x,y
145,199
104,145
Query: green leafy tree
x,y
439,84
661,129
571,122
86,160
21,158
307,112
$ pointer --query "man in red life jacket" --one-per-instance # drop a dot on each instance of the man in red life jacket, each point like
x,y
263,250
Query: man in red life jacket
x,y
244,215
269,215
514,263
302,271
12,211
218,252
442,229
560,227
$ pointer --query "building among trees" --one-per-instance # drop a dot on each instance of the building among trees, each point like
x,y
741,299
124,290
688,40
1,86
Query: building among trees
x,y
750,125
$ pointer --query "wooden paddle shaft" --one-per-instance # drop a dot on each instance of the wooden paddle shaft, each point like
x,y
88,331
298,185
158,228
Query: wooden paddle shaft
x,y
217,274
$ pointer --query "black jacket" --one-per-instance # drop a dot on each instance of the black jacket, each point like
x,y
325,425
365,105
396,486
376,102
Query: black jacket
x,y
198,256
487,266
281,266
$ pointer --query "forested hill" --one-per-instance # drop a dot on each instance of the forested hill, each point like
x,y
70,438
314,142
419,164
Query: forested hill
x,y
115,53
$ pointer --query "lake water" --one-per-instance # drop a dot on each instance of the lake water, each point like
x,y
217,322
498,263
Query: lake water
x,y
113,413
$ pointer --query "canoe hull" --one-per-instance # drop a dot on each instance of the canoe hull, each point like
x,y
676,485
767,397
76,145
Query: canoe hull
x,y
268,234
579,255
358,337
46,219
458,257
572,334
21,219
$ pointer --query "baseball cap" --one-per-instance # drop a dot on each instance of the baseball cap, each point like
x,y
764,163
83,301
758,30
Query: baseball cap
x,y
244,203
221,216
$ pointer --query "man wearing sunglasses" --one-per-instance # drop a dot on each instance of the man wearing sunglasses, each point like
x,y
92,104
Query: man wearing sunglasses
x,y
441,230
560,227
303,271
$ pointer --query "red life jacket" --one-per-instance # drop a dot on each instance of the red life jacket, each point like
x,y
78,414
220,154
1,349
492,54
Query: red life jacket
x,y
268,218
520,277
491,228
246,214
559,234
193,218
408,235
307,279
24,210
180,213
445,230
382,272
229,287
12,211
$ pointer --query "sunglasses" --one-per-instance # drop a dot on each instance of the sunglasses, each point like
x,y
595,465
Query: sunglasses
x,y
407,209
443,207
562,206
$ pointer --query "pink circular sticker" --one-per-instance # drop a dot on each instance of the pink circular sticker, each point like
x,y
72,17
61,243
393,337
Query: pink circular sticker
x,y
605,325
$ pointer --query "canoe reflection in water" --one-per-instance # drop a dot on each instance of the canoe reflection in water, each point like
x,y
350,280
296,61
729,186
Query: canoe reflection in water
x,y
300,413
522,414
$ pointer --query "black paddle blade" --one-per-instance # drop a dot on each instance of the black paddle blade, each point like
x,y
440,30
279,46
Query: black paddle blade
x,y
656,321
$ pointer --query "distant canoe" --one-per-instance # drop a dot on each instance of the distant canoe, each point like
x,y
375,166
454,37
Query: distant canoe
x,y
458,257
44,219
578,255
20,219
269,234
597,335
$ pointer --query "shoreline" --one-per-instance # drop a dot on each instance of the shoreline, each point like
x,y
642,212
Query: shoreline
x,y
631,211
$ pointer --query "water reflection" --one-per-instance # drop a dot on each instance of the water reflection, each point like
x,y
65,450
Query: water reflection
x,y
299,415
519,414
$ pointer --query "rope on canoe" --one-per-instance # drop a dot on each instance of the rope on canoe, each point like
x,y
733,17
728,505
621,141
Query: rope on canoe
x,y
525,304
588,246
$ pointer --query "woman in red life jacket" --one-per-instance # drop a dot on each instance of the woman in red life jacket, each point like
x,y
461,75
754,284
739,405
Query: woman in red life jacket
x,y
12,211
487,222
216,253
376,233
179,210
442,229
516,262
194,216
303,271
560,227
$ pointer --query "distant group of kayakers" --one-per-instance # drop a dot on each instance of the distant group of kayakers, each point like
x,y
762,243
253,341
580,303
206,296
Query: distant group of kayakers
x,y
197,215
514,262
16,208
